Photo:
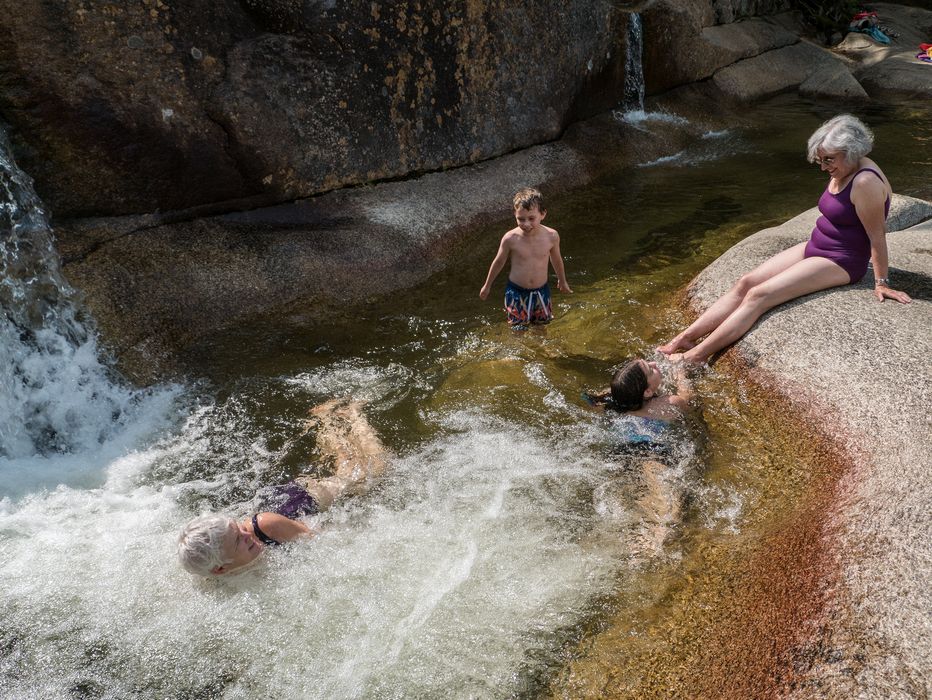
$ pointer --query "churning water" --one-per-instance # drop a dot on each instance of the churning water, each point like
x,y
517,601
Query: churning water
x,y
498,537
460,574
56,397
457,575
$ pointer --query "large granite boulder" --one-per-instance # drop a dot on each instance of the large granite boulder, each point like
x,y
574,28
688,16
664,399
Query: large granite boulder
x,y
131,106
683,43
803,65
727,11
859,370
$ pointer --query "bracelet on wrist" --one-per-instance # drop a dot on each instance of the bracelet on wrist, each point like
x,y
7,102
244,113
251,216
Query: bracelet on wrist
x,y
882,282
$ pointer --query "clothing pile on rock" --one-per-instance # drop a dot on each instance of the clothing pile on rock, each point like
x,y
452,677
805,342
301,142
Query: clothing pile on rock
x,y
925,53
868,22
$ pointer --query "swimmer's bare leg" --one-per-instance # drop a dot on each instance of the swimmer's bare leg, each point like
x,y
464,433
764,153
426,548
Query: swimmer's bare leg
x,y
660,507
344,435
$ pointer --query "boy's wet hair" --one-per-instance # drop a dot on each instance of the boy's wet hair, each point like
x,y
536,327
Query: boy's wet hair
x,y
528,198
627,389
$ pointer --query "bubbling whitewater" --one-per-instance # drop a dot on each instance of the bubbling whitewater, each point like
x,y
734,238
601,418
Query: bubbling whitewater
x,y
456,575
494,558
458,571
56,397
461,570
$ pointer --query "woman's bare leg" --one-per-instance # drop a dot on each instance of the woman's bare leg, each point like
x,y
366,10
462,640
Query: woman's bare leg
x,y
345,435
712,317
805,277
660,506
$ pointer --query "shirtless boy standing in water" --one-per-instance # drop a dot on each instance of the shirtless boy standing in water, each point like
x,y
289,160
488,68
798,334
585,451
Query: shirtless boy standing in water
x,y
531,247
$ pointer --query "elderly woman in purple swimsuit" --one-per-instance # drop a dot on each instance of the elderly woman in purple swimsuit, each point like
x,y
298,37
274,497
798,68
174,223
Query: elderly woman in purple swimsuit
x,y
851,231
215,545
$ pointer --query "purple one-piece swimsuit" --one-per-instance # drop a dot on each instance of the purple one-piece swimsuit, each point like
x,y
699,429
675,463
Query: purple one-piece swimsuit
x,y
290,500
839,234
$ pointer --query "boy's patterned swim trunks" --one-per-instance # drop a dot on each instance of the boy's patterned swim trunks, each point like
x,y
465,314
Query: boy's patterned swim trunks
x,y
527,306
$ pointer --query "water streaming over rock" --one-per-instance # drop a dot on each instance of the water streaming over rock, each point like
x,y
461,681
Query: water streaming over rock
x,y
56,395
490,545
459,572
634,66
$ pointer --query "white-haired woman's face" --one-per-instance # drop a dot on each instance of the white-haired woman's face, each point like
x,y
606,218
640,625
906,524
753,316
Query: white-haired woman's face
x,y
240,547
835,163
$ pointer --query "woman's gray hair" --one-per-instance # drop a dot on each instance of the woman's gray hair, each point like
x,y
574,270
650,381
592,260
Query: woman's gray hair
x,y
843,133
200,544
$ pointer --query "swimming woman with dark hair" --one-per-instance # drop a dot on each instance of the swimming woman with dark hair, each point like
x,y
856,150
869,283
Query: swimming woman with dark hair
x,y
646,485
636,392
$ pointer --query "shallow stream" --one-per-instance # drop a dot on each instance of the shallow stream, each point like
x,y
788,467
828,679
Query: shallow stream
x,y
495,558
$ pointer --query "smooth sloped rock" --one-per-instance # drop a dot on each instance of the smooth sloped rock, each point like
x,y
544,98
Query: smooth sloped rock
x,y
741,40
774,72
682,44
833,81
863,365
899,76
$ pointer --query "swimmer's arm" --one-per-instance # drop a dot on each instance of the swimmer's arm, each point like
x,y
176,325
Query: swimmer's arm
x,y
685,394
557,261
497,264
868,195
283,529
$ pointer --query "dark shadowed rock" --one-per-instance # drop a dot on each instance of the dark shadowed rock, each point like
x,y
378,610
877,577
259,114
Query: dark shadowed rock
x,y
128,106
778,71
157,283
683,44
727,11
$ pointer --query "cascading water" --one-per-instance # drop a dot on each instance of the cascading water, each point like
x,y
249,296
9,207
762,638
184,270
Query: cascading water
x,y
500,533
632,101
634,66
632,112
56,396
459,572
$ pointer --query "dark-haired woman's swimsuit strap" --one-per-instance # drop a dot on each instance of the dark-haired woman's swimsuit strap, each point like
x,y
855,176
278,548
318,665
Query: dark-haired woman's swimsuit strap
x,y
641,436
839,235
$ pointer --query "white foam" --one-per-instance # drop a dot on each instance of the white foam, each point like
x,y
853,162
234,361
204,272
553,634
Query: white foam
x,y
640,118
425,586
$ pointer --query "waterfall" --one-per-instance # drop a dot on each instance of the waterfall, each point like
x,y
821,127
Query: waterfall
x,y
56,396
634,66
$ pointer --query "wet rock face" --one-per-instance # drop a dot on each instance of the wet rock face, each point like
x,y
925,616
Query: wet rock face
x,y
688,40
726,11
130,106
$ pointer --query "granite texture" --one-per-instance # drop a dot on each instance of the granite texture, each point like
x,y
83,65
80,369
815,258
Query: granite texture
x,y
865,367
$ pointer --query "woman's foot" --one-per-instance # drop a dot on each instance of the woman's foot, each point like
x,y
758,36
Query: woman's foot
x,y
679,343
686,359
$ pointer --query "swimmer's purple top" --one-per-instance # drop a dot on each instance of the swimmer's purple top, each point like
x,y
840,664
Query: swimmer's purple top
x,y
839,234
293,501
290,500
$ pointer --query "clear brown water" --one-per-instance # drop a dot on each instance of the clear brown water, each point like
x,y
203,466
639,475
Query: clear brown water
x,y
485,563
